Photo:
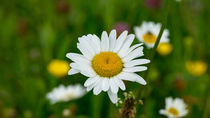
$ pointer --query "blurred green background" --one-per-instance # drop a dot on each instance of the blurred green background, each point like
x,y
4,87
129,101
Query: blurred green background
x,y
35,32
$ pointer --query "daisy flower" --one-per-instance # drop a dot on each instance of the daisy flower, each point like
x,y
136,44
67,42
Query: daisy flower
x,y
64,94
174,108
148,33
107,62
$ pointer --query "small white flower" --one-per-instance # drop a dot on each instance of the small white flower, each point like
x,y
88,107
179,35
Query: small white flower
x,y
64,94
107,62
174,108
148,33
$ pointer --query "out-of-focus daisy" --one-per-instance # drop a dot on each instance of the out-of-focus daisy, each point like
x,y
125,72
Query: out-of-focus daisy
x,y
196,68
121,26
58,68
164,49
148,33
174,108
107,62
64,94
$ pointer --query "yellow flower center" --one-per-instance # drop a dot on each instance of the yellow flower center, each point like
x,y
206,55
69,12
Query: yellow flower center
x,y
67,96
173,111
107,64
149,38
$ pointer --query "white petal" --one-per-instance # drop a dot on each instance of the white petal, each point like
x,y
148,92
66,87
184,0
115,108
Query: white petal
x,y
90,87
90,81
120,83
87,73
85,52
126,76
136,62
163,112
120,41
97,42
93,43
183,113
165,35
88,69
112,40
84,69
169,102
97,88
104,41
139,31
77,58
150,45
126,45
131,49
75,66
135,69
132,77
179,103
134,54
84,42
73,71
105,84
113,86
140,80
134,47
112,96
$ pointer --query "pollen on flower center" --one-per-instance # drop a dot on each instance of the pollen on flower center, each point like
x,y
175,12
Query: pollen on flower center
x,y
149,38
173,111
67,96
107,64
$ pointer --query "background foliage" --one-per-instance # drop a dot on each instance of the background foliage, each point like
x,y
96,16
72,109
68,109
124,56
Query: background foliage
x,y
34,32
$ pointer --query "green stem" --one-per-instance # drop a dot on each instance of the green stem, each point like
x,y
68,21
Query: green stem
x,y
96,103
152,54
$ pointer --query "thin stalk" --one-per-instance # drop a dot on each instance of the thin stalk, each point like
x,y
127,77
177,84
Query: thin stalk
x,y
151,57
153,51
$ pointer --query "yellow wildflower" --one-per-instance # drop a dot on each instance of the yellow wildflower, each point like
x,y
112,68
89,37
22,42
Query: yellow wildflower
x,y
164,48
58,68
196,68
